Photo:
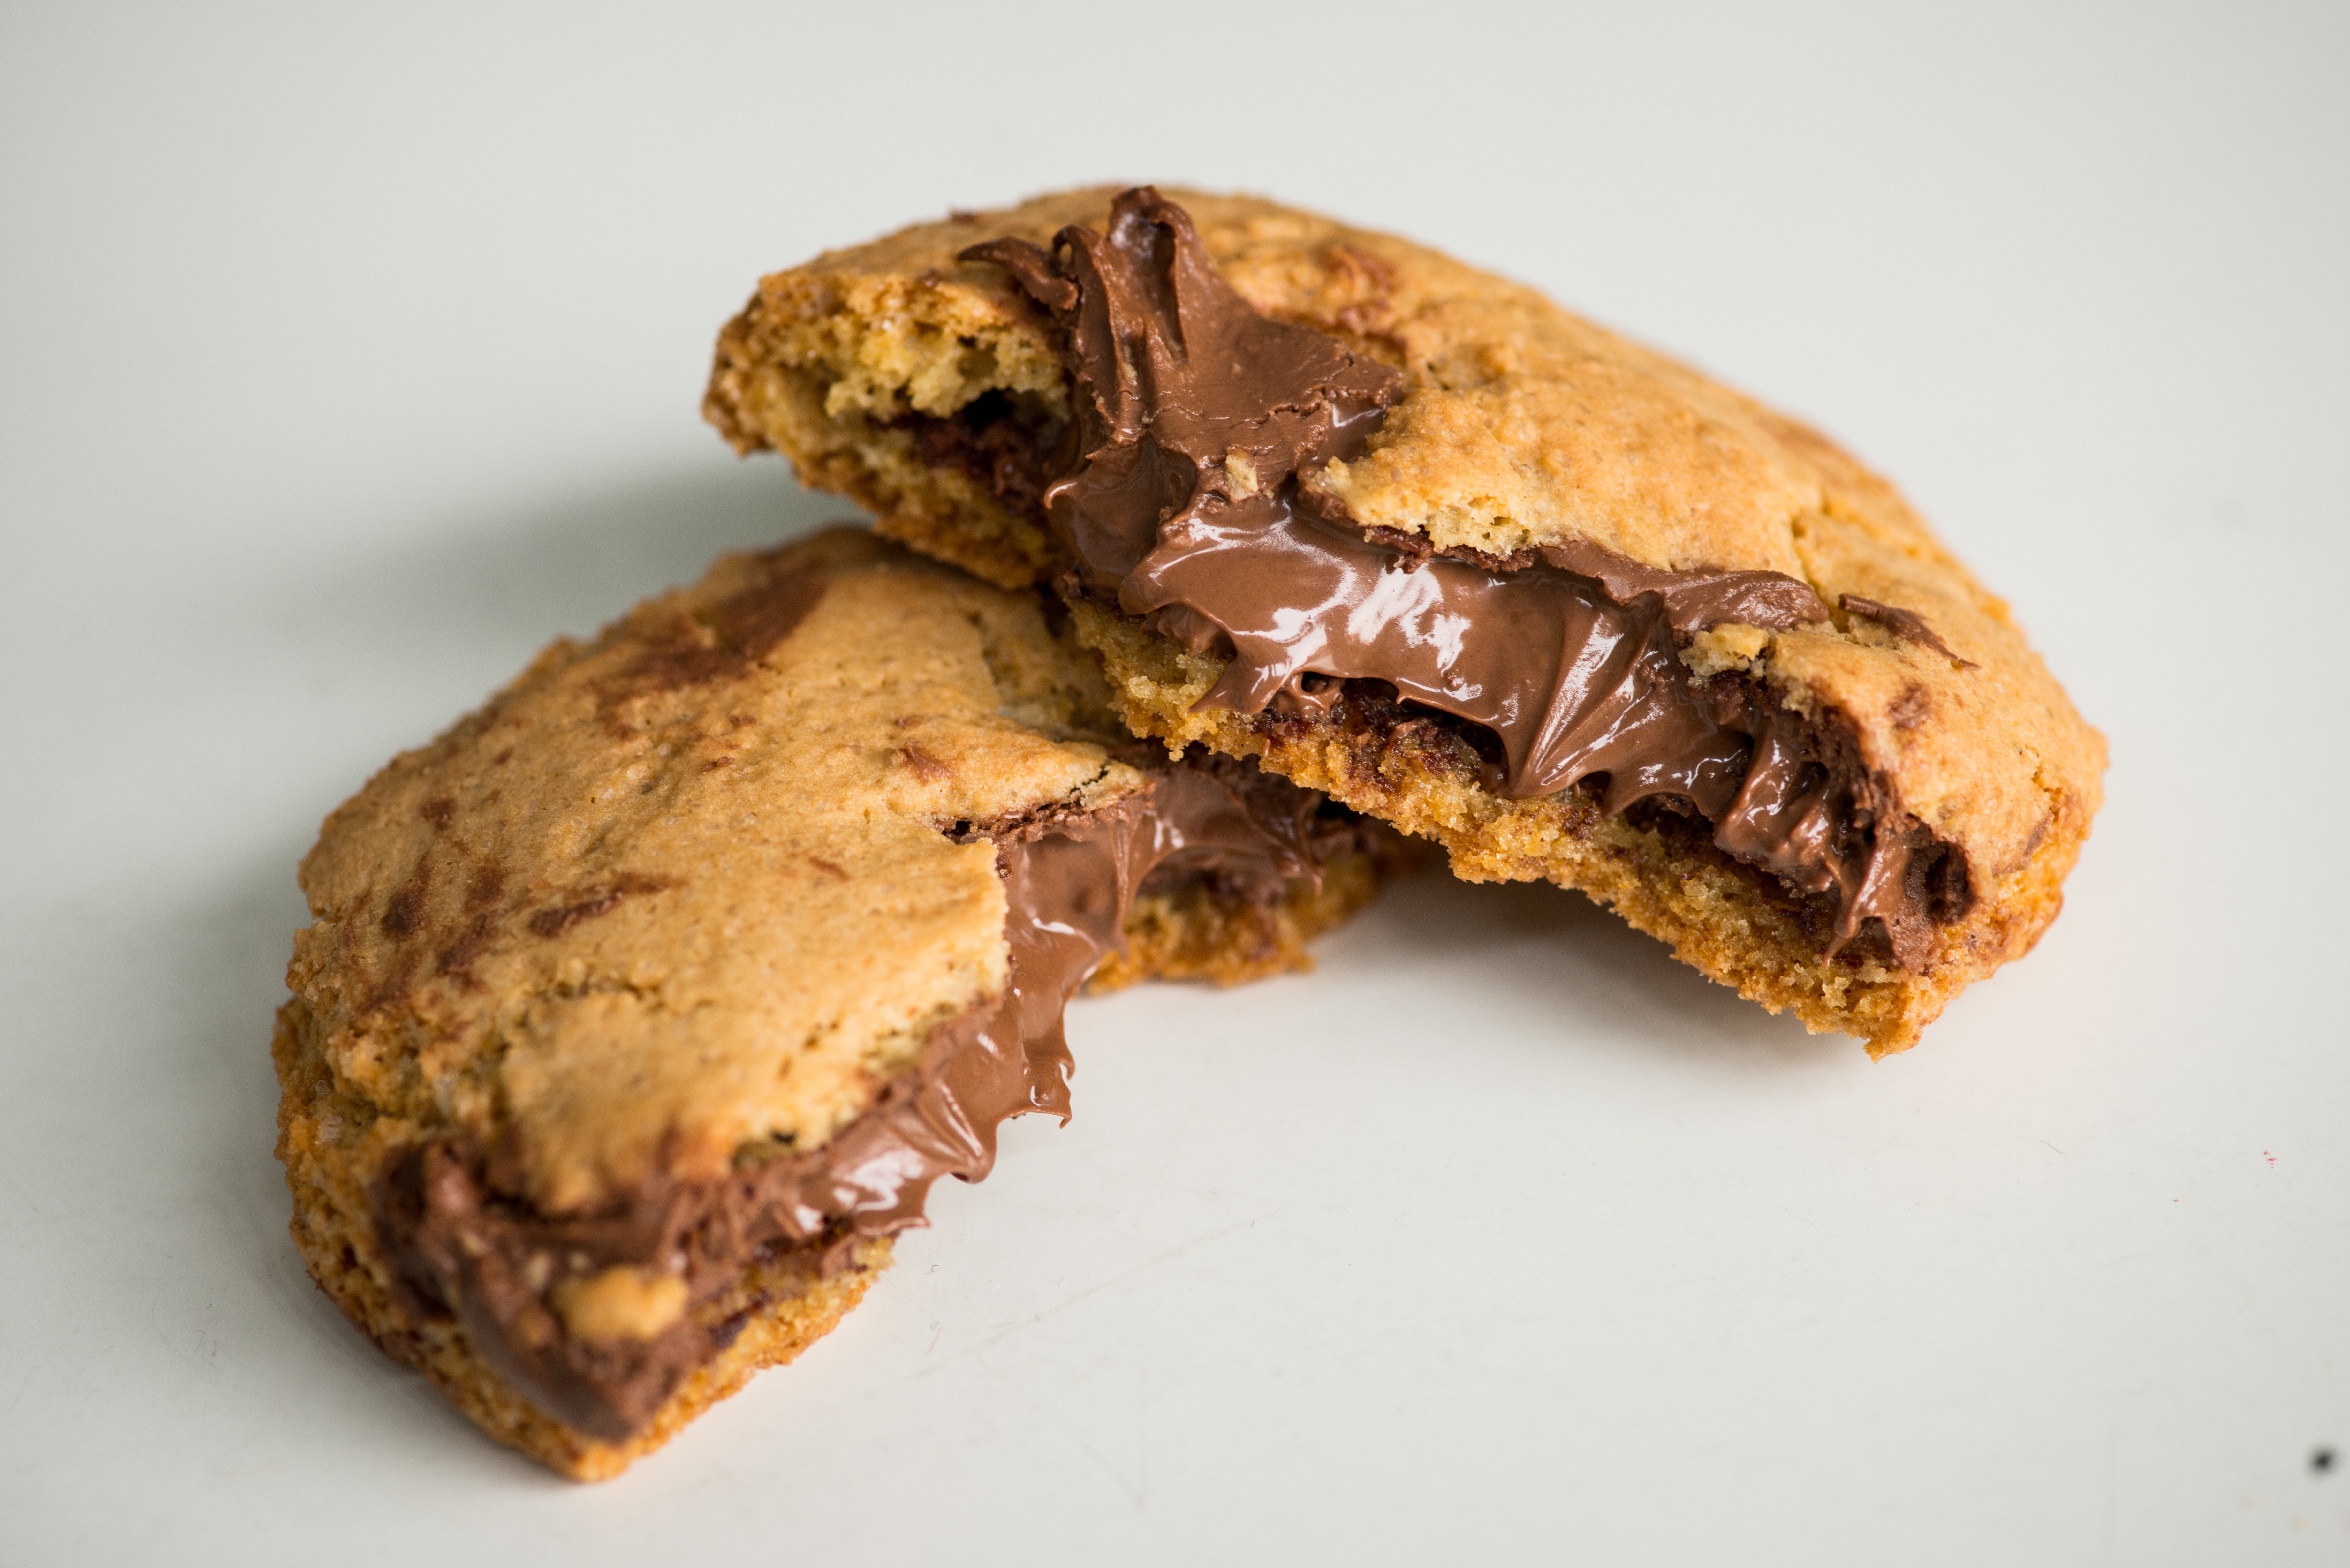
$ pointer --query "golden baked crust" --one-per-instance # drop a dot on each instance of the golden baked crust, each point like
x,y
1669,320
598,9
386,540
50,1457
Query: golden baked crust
x,y
676,895
1521,425
682,891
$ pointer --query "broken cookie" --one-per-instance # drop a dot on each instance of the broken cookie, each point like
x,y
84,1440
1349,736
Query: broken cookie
x,y
1413,536
641,1009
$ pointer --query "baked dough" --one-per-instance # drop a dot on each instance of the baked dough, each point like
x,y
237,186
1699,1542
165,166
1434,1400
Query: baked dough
x,y
682,902
1519,428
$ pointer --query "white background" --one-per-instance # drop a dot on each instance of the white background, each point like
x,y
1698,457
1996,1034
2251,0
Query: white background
x,y
347,357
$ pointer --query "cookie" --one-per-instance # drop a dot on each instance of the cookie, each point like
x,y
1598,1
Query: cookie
x,y
641,1009
1413,536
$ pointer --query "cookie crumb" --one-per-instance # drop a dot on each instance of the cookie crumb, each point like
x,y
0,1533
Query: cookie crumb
x,y
1726,646
1243,469
620,1303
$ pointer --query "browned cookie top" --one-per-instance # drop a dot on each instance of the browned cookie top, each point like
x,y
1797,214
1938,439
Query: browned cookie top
x,y
1520,426
682,891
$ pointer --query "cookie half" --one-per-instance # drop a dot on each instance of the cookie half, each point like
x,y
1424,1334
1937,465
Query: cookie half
x,y
1414,535
641,1009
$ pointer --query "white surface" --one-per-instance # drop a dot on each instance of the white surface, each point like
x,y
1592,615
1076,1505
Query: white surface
x,y
347,360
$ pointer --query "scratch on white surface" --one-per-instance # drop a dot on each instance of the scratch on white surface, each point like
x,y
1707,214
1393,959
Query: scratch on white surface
x,y
1008,1330
22,1384
1135,1488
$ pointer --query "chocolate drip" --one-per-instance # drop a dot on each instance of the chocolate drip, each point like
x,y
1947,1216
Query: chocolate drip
x,y
1906,623
464,1245
1196,416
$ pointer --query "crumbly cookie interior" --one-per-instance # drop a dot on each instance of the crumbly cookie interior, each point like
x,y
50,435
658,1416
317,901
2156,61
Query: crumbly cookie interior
x,y
1975,748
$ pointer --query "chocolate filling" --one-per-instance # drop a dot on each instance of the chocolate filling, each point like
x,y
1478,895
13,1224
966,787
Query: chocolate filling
x,y
465,1245
1177,495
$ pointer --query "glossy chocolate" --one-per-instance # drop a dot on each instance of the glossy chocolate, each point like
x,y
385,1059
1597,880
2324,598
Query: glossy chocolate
x,y
1180,499
1907,625
465,1245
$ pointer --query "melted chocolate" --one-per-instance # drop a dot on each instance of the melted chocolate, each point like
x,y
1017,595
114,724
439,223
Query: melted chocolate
x,y
1905,624
1179,500
464,1246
